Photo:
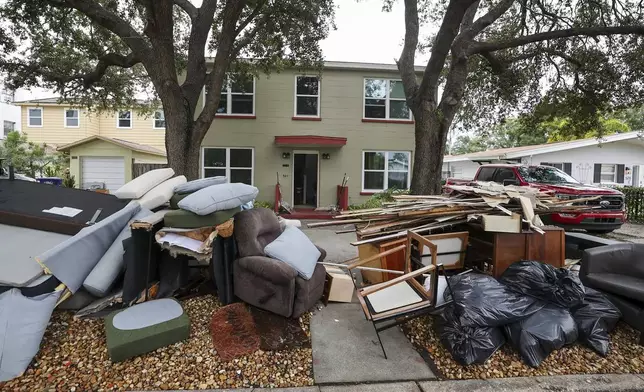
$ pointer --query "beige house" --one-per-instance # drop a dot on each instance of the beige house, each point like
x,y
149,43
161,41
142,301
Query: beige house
x,y
305,130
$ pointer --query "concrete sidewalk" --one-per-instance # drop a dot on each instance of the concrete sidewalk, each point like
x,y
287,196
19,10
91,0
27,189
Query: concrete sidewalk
x,y
585,383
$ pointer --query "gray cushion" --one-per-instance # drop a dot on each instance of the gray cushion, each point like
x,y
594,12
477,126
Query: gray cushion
x,y
108,268
295,249
195,185
23,322
143,183
147,314
218,197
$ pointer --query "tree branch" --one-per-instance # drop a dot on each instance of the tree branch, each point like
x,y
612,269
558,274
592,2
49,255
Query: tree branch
x,y
196,67
106,61
444,39
215,78
480,47
109,20
249,18
188,8
486,20
408,54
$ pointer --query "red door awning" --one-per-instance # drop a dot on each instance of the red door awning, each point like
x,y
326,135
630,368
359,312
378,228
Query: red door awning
x,y
310,141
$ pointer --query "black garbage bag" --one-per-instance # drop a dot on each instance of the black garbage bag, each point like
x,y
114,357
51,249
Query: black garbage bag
x,y
537,336
480,300
595,318
545,282
467,344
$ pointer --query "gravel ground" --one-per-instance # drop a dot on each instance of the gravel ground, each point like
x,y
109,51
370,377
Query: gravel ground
x,y
73,357
626,356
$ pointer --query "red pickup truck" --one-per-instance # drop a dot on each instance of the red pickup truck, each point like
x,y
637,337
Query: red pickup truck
x,y
608,215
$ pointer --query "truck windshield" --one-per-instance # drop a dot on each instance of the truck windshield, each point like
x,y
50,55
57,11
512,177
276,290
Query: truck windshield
x,y
545,175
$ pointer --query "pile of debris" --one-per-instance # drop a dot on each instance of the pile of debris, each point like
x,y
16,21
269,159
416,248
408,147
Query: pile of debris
x,y
482,201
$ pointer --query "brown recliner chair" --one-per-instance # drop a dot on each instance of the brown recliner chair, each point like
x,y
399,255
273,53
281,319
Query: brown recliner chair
x,y
267,283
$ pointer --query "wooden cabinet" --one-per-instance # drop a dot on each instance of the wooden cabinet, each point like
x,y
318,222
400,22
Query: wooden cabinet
x,y
494,252
394,261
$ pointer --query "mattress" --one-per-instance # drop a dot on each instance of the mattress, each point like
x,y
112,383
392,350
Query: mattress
x,y
145,327
182,219
20,246
22,204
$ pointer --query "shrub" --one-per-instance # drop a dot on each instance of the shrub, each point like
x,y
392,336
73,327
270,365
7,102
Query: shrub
x,y
376,200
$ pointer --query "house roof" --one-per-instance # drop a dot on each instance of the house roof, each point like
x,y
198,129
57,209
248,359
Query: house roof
x,y
119,142
523,151
366,66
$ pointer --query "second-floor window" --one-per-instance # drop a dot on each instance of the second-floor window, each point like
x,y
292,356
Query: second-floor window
x,y
384,99
159,119
124,119
307,96
34,117
72,118
237,97
9,126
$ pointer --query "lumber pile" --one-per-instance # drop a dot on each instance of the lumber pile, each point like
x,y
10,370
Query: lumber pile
x,y
460,204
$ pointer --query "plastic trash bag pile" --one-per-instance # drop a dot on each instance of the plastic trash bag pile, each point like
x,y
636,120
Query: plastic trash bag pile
x,y
536,307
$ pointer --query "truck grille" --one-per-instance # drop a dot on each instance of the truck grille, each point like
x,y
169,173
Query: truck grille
x,y
615,202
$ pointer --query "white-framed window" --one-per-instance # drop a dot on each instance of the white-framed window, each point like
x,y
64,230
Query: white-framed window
x,y
608,173
237,97
383,170
384,99
124,119
34,117
158,122
72,118
307,96
8,127
235,163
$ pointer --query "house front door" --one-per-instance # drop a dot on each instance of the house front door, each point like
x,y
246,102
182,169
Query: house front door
x,y
305,178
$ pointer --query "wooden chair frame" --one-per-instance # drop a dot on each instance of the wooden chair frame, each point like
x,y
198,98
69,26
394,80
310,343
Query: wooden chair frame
x,y
413,253
463,235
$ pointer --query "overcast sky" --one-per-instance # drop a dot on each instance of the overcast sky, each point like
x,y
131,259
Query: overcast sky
x,y
364,34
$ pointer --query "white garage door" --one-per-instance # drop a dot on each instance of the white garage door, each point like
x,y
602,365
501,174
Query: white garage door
x,y
108,170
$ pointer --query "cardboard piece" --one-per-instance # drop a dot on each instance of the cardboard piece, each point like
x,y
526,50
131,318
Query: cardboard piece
x,y
502,224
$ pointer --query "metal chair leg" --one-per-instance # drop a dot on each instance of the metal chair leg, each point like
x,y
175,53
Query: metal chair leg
x,y
379,340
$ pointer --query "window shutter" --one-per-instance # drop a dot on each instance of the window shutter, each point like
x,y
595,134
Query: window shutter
x,y
620,174
597,176
567,167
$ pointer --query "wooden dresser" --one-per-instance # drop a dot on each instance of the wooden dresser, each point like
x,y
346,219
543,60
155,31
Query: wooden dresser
x,y
494,252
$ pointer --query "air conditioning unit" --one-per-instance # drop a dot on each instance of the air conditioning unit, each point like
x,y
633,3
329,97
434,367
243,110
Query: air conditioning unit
x,y
95,186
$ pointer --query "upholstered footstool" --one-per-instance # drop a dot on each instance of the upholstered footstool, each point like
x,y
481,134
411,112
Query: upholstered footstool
x,y
145,327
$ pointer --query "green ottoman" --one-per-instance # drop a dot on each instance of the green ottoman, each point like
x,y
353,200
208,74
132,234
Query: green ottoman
x,y
145,327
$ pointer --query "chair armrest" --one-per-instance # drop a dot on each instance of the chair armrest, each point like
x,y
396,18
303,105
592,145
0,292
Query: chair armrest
x,y
614,259
322,254
273,270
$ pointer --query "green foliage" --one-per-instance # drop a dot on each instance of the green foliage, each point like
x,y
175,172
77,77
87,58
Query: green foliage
x,y
634,199
511,133
263,204
376,200
68,180
31,159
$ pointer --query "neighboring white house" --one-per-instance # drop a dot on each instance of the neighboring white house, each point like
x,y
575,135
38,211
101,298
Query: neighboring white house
x,y
613,159
9,114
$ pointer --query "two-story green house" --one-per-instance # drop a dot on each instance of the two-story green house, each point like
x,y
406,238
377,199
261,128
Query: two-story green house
x,y
308,131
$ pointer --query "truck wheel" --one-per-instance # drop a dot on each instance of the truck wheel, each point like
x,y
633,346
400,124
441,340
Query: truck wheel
x,y
599,231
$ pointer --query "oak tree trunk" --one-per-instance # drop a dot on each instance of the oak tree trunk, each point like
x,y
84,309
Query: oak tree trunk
x,y
182,141
431,137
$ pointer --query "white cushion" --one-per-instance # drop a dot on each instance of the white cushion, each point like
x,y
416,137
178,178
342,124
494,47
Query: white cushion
x,y
295,249
218,197
143,183
161,193
195,185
